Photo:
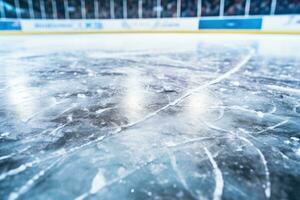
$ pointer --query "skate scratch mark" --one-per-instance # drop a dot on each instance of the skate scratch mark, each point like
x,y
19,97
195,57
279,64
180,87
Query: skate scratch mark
x,y
43,110
100,111
27,165
178,173
7,156
239,108
189,93
267,173
175,102
263,159
273,127
218,176
26,187
284,89
13,154
18,169
190,141
264,143
115,180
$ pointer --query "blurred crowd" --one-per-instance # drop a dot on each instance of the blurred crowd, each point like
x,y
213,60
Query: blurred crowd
x,y
90,9
288,6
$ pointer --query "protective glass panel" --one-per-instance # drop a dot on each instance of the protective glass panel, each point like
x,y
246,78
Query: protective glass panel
x,y
119,9
189,8
210,7
24,9
234,7
74,9
149,8
169,8
89,9
48,9
288,7
37,9
104,9
9,8
60,9
132,8
260,7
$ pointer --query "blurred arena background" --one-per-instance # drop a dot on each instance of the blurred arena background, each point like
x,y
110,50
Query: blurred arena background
x,y
181,15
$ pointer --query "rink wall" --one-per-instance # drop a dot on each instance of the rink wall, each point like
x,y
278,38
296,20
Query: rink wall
x,y
289,24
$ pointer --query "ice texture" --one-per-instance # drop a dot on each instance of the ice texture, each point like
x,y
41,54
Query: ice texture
x,y
150,117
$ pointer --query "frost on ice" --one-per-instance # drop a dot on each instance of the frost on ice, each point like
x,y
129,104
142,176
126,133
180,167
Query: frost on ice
x,y
211,120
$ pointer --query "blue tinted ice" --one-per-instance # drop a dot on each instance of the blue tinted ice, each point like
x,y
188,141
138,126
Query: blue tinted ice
x,y
149,117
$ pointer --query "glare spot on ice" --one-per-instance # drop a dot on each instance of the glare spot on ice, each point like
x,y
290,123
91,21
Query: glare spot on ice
x,y
260,114
236,83
5,134
70,118
97,183
99,91
298,152
121,171
82,96
295,139
61,152
91,72
103,110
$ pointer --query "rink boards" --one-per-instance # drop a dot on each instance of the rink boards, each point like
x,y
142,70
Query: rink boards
x,y
288,24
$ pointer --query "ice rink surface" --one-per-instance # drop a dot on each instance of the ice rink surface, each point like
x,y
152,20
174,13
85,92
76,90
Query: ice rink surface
x,y
150,117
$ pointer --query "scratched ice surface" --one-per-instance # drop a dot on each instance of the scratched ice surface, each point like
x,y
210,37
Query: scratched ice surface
x,y
149,117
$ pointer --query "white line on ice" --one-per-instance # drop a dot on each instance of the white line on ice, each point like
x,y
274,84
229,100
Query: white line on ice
x,y
12,154
7,156
43,110
189,93
284,89
273,127
18,169
23,189
267,173
112,181
178,173
263,159
218,176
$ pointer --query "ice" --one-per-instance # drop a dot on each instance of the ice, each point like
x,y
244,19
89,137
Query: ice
x,y
97,183
138,116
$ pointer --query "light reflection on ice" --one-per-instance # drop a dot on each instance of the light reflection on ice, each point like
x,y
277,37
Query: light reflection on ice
x,y
19,95
135,99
